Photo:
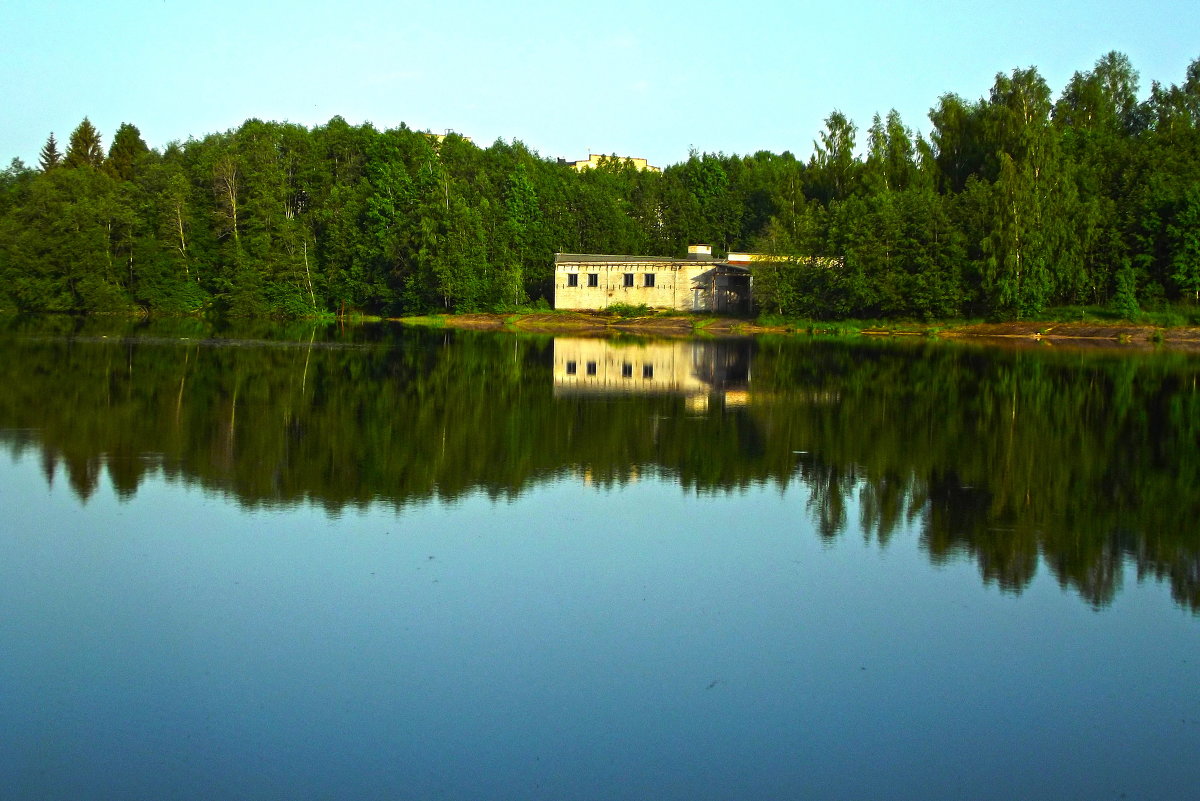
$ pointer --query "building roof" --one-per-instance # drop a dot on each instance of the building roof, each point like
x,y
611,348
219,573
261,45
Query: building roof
x,y
603,258
594,160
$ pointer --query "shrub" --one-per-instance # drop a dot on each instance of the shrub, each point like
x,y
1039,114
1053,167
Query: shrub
x,y
626,310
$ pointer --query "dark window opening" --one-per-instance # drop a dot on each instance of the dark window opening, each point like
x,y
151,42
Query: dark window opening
x,y
628,279
572,279
593,279
626,370
647,371
591,368
570,368
649,279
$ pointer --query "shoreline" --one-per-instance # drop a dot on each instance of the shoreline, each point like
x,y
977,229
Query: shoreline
x,y
684,325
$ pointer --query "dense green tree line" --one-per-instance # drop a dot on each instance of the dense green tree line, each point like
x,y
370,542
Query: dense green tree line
x,y
1011,203
1074,462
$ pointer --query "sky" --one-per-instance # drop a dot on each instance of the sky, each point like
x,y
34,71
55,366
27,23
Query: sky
x,y
566,78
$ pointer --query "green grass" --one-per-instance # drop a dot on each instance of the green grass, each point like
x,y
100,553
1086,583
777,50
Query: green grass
x,y
627,310
1168,316
853,327
428,320
1176,316
540,306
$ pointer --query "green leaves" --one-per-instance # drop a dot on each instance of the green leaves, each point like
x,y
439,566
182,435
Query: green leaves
x,y
1184,232
1013,203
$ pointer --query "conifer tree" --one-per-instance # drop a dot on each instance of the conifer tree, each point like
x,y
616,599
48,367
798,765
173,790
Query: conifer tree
x,y
84,147
50,157
127,147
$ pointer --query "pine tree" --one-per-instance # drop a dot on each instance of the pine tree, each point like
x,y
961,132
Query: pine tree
x,y
127,147
50,157
84,147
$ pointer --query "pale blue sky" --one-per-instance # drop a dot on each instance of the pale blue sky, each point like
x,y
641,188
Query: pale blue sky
x,y
566,78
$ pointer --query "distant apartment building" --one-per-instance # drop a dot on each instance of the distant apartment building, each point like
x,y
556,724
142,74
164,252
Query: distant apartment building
x,y
594,160
438,138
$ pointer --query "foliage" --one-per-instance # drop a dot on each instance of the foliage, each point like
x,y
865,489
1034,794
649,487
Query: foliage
x,y
49,157
627,310
84,148
1013,203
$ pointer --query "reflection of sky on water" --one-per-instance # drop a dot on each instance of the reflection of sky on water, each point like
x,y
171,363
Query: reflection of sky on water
x,y
634,642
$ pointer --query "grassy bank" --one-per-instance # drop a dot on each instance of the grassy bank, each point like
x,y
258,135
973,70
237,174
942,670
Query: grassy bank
x,y
1172,327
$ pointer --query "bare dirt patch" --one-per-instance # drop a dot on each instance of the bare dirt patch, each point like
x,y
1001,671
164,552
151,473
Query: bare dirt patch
x,y
1081,333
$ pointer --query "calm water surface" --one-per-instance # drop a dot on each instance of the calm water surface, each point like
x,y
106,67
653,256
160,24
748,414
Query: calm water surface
x,y
383,564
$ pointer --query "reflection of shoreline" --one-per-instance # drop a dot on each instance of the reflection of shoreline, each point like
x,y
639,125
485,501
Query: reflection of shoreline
x,y
691,369
992,451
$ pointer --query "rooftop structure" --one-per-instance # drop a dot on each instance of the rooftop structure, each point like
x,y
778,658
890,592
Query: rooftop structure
x,y
441,137
594,160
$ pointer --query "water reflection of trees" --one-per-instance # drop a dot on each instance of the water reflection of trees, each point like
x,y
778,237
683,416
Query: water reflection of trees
x,y
1082,459
1076,461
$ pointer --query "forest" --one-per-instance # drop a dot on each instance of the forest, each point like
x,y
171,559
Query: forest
x,y
1011,205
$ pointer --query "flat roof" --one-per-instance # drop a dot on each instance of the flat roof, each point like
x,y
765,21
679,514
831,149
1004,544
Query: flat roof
x,y
600,258
614,258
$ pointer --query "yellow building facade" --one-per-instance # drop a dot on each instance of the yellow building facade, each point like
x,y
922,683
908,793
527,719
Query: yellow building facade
x,y
593,161
593,282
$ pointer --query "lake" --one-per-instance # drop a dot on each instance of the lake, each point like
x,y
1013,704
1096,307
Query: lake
x,y
373,562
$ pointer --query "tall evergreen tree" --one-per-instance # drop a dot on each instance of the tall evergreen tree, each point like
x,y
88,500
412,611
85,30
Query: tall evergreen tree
x,y
127,147
83,149
50,157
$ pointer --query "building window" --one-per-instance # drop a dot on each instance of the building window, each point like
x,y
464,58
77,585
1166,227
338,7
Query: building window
x,y
649,279
591,368
570,368
626,370
593,279
628,279
572,279
647,371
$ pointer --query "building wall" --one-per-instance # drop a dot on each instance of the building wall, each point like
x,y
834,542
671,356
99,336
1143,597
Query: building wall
x,y
683,285
593,161
678,284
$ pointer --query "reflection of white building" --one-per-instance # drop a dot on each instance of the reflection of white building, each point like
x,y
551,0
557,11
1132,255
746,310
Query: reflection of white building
x,y
600,366
675,367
